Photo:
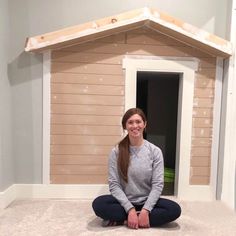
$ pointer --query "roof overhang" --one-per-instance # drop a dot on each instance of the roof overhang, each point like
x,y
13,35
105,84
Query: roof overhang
x,y
151,18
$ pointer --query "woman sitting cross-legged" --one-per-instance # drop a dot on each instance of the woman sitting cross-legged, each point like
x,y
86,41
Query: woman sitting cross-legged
x,y
136,179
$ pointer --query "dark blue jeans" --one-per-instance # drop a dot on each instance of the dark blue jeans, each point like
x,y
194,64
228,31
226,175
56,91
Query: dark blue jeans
x,y
108,208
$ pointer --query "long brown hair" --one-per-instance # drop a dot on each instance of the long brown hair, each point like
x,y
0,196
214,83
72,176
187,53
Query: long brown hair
x,y
124,153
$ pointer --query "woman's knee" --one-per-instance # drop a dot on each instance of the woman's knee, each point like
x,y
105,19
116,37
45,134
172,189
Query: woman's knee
x,y
172,207
175,210
107,207
98,203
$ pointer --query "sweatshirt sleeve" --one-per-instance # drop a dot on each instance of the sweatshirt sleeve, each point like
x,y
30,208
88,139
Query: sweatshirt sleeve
x,y
114,182
157,180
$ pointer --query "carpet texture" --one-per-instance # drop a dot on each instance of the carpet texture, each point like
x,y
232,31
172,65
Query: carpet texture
x,y
75,217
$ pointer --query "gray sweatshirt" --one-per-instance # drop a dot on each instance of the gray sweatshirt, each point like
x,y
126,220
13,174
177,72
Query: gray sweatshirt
x,y
145,177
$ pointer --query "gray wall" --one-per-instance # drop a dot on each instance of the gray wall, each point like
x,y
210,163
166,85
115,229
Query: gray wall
x,y
25,76
53,14
21,73
6,158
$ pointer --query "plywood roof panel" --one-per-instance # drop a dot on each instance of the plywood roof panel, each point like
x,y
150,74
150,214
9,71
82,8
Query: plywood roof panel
x,y
150,18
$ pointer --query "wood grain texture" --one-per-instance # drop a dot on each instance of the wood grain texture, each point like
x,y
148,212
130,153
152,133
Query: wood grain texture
x,y
87,103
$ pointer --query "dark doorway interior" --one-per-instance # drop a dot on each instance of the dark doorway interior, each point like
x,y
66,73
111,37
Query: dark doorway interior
x,y
157,96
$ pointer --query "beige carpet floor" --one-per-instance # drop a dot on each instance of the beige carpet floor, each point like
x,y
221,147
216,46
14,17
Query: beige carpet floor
x,y
75,217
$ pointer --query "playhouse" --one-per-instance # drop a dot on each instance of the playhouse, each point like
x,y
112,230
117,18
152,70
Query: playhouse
x,y
95,71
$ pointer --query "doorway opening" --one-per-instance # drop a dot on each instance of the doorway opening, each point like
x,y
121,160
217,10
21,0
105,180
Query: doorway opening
x,y
157,95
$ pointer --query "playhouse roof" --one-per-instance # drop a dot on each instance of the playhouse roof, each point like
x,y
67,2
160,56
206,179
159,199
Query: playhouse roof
x,y
150,18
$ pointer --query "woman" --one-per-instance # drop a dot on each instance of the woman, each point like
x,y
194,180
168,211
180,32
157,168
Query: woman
x,y
136,176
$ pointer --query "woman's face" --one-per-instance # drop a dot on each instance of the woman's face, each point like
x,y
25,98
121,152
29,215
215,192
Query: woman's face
x,y
135,126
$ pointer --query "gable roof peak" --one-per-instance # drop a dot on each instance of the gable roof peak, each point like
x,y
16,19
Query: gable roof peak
x,y
150,17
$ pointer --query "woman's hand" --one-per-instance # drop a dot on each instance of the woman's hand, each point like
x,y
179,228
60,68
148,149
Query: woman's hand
x,y
133,221
143,219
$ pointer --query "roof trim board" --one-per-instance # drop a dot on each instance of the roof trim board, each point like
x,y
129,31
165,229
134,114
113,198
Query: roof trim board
x,y
151,18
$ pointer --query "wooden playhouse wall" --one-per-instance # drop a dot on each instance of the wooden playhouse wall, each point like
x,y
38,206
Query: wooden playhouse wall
x,y
87,103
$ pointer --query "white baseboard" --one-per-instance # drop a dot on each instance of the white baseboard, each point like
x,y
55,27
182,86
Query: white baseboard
x,y
196,193
52,191
83,191
8,196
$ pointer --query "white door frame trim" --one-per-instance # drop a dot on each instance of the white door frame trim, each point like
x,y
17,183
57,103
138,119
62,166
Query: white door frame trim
x,y
186,68
228,194
46,116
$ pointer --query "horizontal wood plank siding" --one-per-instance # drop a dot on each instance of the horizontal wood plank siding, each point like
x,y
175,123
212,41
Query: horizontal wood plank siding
x,y
85,57
85,119
87,99
84,140
78,160
94,79
87,103
200,180
87,89
85,129
202,112
86,108
204,90
79,179
75,149
68,67
199,141
78,109
151,39
138,49
204,82
78,169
